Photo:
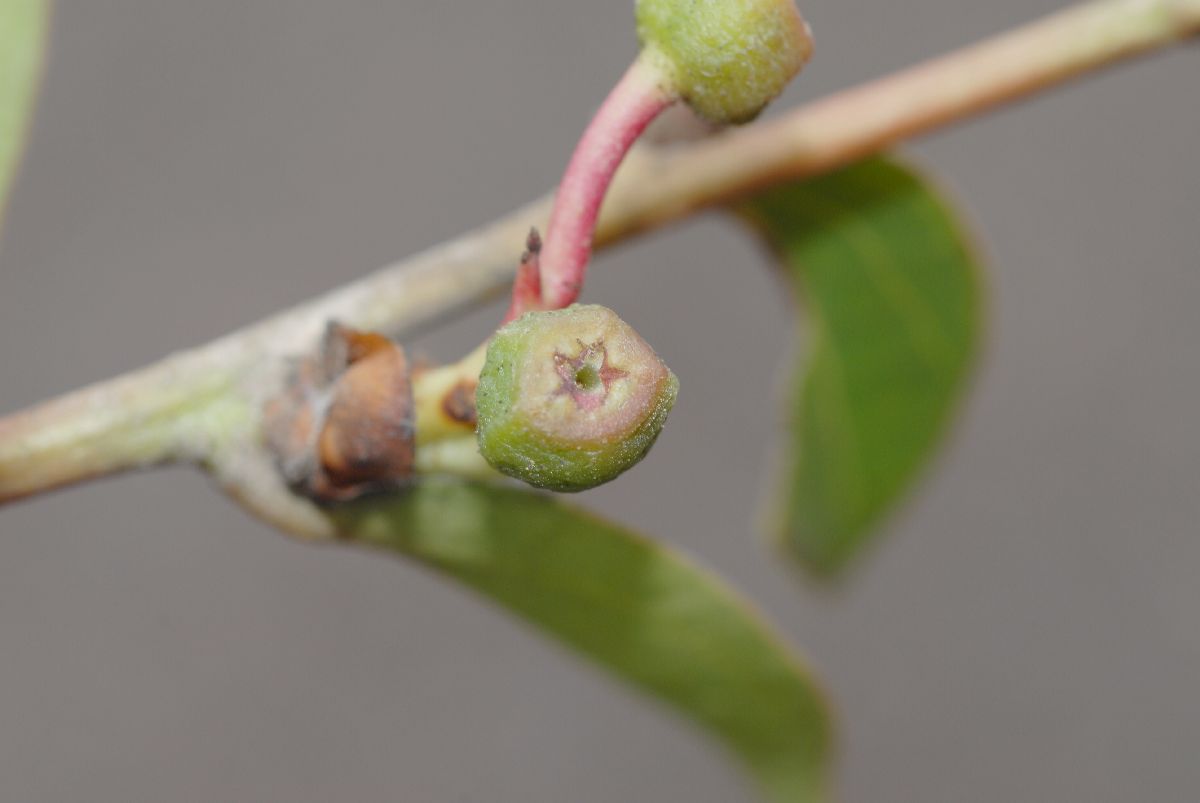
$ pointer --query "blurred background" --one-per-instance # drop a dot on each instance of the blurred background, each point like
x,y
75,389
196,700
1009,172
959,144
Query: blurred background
x,y
1025,630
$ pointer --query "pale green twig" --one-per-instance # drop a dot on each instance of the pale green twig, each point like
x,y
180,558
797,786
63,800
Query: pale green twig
x,y
205,405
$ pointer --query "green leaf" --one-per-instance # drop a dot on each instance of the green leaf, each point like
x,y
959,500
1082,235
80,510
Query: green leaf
x,y
892,292
22,37
634,607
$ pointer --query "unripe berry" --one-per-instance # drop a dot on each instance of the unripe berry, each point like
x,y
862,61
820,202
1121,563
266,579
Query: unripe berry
x,y
568,399
727,58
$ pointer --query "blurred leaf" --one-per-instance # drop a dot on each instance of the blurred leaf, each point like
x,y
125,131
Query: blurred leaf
x,y
892,292
22,35
633,606
22,41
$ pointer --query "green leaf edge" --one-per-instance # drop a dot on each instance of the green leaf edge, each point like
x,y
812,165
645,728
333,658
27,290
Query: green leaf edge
x,y
437,524
23,26
830,566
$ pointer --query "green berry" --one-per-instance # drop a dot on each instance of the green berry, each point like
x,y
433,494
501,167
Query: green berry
x,y
568,399
727,58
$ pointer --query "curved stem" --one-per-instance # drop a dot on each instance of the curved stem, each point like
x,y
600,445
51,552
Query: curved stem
x,y
639,97
857,122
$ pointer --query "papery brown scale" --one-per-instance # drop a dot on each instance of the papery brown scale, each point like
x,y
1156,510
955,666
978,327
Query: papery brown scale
x,y
344,425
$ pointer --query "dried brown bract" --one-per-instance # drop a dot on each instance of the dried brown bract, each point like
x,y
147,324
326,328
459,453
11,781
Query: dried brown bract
x,y
343,427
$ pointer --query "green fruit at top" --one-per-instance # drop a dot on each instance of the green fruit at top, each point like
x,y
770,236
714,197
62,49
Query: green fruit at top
x,y
568,399
727,58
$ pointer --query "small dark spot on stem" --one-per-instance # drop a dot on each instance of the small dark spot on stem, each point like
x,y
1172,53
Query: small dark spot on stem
x,y
533,242
459,403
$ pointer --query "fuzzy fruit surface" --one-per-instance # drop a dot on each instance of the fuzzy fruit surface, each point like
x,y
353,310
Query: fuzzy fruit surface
x,y
727,58
568,399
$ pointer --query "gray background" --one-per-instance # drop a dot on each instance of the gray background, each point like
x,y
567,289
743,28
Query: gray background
x,y
1027,630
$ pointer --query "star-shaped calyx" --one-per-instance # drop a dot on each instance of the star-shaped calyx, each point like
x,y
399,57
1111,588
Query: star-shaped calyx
x,y
586,378
568,399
